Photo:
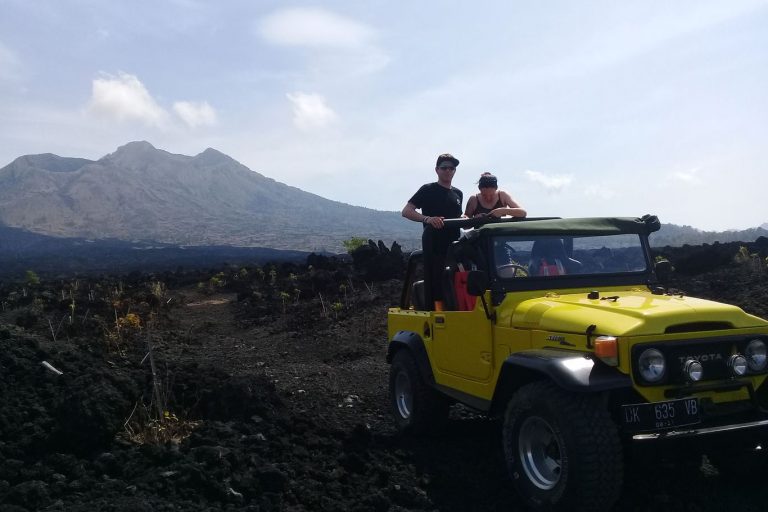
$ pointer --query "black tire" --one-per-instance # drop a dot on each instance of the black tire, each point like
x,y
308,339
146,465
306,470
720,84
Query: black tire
x,y
562,449
416,407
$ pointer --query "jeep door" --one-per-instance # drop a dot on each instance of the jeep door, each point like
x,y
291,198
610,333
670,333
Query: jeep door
x,y
462,342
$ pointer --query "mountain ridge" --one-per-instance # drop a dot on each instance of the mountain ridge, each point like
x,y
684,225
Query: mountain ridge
x,y
141,192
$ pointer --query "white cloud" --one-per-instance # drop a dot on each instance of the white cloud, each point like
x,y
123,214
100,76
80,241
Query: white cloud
x,y
195,114
599,192
687,177
9,63
124,97
310,111
554,183
314,27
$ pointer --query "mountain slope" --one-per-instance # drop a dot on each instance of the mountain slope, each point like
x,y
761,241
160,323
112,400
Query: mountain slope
x,y
143,193
140,192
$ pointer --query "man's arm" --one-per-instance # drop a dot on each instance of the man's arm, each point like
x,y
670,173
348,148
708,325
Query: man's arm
x,y
409,212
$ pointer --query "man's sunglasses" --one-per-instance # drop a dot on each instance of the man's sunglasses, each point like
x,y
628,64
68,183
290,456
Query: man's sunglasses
x,y
446,168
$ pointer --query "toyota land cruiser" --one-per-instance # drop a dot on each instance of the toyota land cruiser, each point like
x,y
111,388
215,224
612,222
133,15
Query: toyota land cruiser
x,y
563,328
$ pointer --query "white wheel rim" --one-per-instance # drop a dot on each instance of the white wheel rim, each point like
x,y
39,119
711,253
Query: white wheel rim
x,y
403,395
540,453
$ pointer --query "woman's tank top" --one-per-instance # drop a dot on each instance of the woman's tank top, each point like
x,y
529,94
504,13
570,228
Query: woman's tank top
x,y
479,208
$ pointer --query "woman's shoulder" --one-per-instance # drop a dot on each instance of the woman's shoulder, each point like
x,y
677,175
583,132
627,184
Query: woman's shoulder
x,y
503,194
507,199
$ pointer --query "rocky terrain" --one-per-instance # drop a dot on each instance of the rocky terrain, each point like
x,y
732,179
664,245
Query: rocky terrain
x,y
264,388
52,257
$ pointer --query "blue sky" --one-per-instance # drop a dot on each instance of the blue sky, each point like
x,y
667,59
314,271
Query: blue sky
x,y
585,108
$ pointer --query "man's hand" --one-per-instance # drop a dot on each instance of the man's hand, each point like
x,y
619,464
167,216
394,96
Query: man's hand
x,y
435,222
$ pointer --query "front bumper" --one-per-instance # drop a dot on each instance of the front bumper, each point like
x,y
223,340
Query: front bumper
x,y
684,432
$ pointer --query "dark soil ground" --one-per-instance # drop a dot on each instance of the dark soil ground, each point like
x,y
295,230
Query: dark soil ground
x,y
263,389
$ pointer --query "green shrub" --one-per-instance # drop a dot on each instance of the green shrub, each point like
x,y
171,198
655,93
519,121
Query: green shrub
x,y
353,243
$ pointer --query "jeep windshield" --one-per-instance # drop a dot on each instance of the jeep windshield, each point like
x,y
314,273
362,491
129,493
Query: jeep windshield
x,y
550,256
551,253
566,253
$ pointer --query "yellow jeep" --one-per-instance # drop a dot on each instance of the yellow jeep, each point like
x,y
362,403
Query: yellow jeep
x,y
563,328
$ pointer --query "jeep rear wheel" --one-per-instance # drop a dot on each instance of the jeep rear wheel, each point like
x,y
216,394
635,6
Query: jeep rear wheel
x,y
562,449
416,407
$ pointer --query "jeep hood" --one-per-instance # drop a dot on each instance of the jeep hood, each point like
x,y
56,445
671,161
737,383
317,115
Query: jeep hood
x,y
625,313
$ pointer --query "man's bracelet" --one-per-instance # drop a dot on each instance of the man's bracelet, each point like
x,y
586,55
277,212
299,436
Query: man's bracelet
x,y
425,219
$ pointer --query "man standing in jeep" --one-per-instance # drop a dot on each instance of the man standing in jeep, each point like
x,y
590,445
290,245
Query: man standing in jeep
x,y
437,201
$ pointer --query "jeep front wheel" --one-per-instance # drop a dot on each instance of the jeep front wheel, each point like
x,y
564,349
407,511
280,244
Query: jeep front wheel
x,y
562,449
416,407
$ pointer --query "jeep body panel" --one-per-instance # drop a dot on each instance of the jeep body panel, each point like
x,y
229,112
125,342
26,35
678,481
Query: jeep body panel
x,y
458,345
621,312
413,342
570,370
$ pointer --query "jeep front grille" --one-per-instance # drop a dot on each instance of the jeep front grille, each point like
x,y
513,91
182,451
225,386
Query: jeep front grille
x,y
712,353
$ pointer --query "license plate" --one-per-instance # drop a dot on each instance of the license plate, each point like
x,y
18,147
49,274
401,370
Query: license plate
x,y
661,415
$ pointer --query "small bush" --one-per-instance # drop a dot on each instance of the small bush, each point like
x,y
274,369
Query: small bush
x,y
353,243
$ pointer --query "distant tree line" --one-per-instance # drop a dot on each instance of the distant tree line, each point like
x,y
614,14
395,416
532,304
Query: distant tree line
x,y
677,236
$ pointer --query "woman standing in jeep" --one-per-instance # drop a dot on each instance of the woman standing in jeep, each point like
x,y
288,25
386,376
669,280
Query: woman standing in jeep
x,y
492,201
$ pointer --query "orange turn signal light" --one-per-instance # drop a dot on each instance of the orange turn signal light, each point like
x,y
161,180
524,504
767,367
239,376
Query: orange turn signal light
x,y
607,349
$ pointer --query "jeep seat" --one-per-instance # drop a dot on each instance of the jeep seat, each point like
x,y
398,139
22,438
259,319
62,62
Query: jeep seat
x,y
417,295
548,258
462,257
449,290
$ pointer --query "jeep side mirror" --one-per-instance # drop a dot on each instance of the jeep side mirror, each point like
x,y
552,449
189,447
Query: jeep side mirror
x,y
663,269
477,282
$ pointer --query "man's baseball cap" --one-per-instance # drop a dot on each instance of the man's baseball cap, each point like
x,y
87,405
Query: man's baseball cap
x,y
447,157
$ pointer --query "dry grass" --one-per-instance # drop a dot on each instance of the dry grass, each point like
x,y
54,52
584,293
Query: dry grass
x,y
147,430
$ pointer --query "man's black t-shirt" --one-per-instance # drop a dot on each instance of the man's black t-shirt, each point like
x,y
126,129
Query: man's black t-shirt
x,y
434,200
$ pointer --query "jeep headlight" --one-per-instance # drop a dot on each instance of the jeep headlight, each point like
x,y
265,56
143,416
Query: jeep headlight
x,y
737,363
693,370
756,355
651,365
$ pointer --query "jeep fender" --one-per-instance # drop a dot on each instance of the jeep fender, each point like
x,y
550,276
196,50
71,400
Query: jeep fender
x,y
409,340
569,370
